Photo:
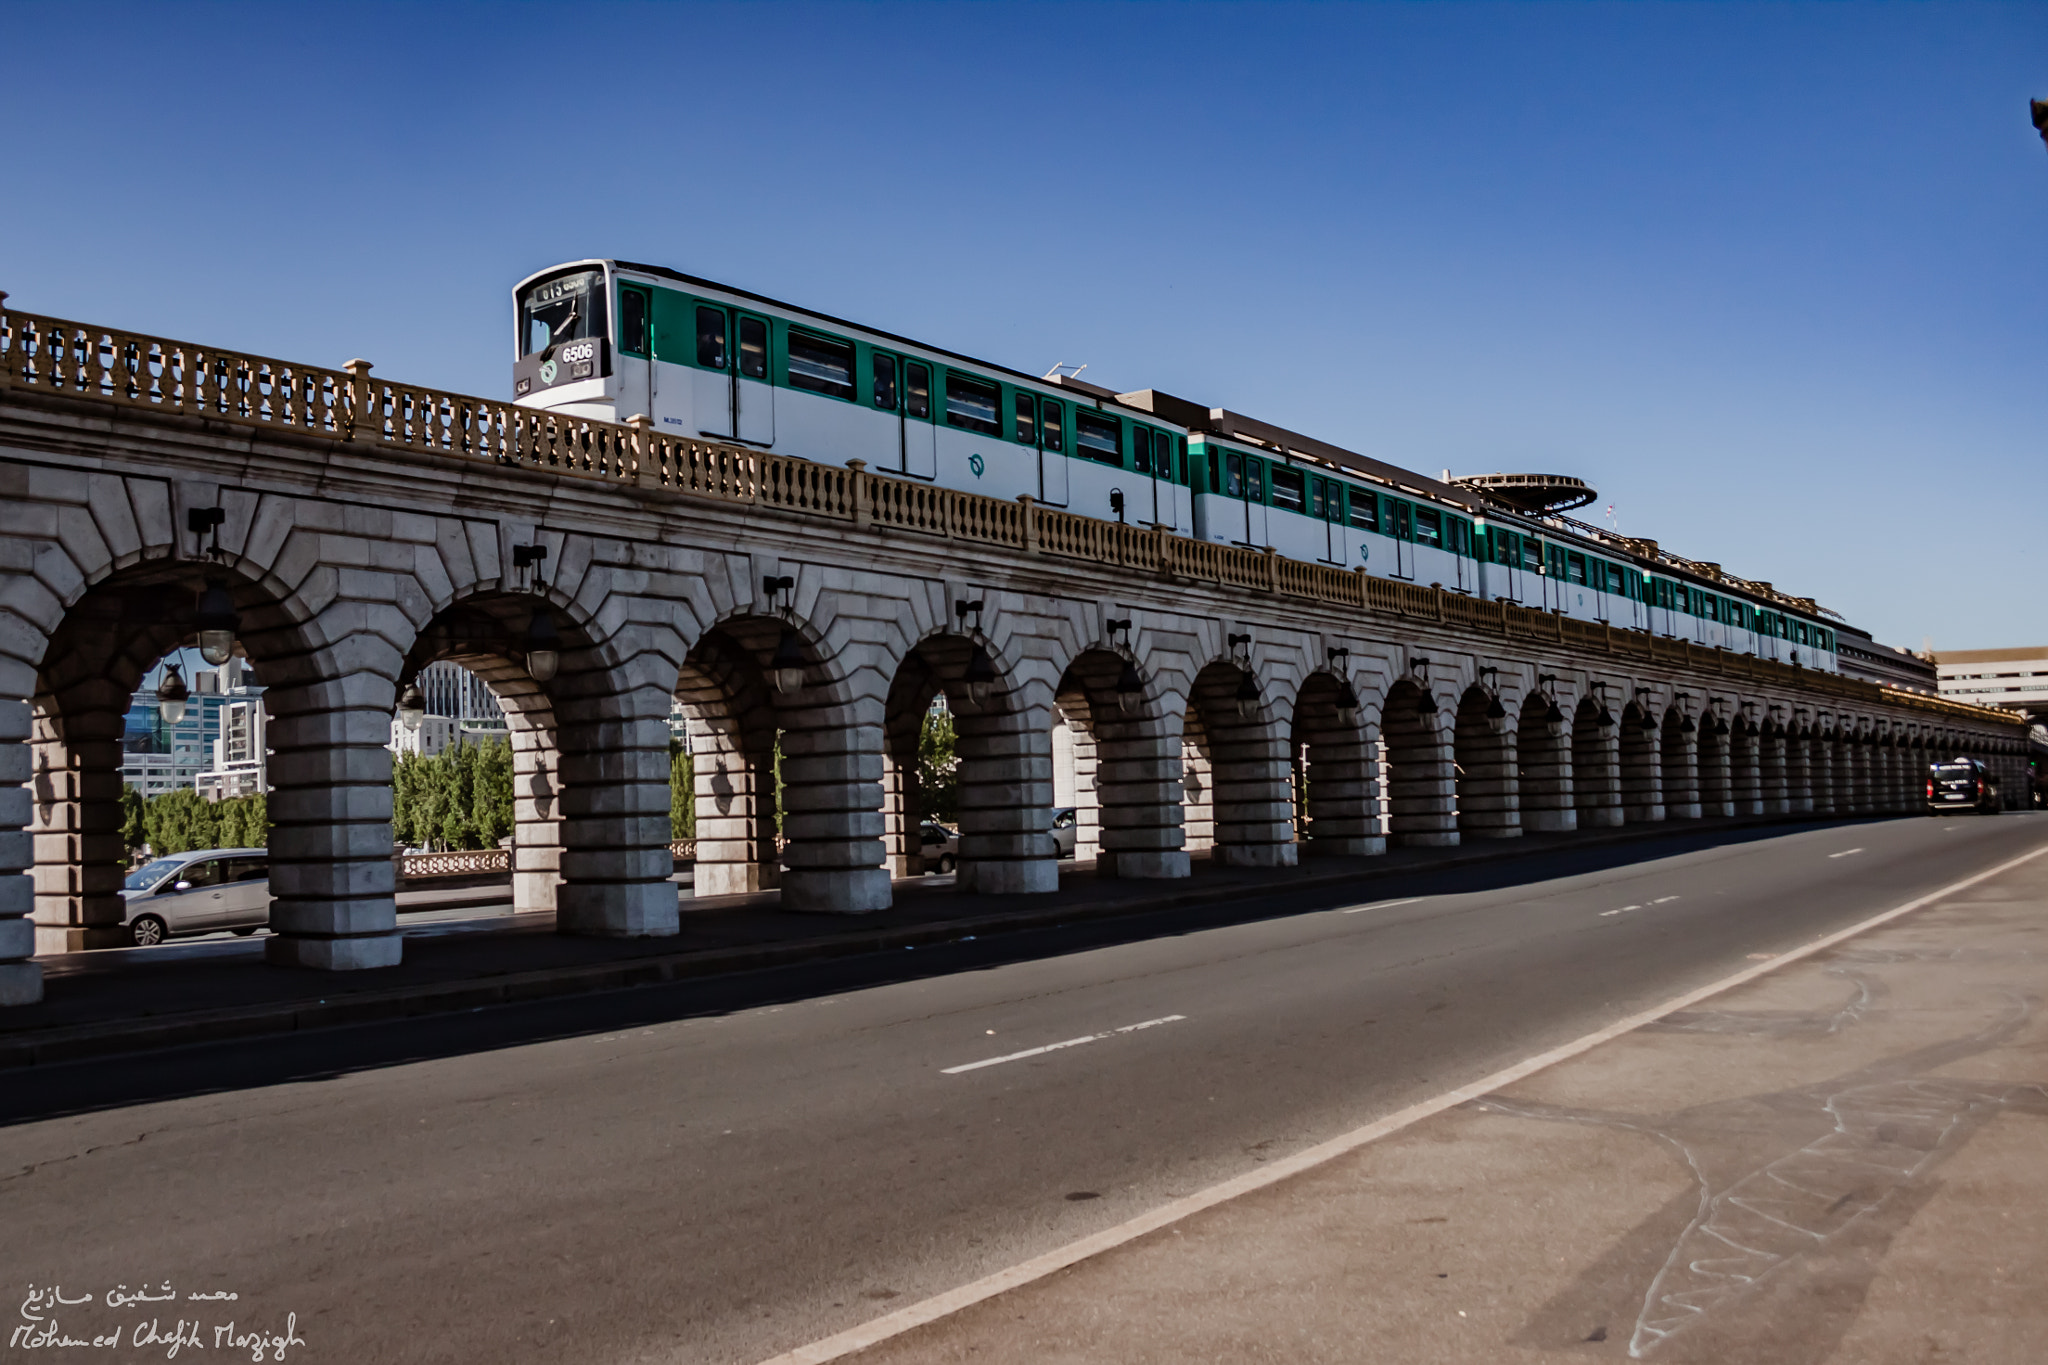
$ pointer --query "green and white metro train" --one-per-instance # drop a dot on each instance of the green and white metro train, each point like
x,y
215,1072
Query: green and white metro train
x,y
610,340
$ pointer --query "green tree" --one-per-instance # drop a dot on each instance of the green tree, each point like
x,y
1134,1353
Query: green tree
x,y
133,835
459,798
938,769
682,792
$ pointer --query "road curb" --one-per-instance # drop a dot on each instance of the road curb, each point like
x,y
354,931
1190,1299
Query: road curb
x,y
76,1042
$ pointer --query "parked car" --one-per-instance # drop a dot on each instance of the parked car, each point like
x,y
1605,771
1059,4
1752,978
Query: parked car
x,y
1065,821
200,892
940,846
1962,784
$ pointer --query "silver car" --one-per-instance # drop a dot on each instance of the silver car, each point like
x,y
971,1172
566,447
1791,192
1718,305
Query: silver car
x,y
940,846
1065,829
200,892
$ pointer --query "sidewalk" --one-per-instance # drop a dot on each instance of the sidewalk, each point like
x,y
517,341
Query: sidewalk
x,y
127,999
1843,1162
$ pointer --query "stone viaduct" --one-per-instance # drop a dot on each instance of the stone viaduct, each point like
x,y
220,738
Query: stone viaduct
x,y
1220,703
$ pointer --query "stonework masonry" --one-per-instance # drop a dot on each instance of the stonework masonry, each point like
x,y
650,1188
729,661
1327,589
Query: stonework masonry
x,y
359,551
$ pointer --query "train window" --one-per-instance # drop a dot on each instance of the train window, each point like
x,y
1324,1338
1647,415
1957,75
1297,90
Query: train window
x,y
711,338
1316,496
1233,476
1429,526
1096,438
820,364
1027,419
885,382
917,389
1615,583
1404,519
1575,568
1460,536
1532,555
1052,424
1287,488
633,321
973,404
1141,450
566,308
1254,481
1365,509
753,348
1186,479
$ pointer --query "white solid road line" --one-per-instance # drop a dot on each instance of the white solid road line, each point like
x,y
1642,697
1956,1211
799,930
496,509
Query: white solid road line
x,y
1038,1267
1378,905
1055,1047
1845,853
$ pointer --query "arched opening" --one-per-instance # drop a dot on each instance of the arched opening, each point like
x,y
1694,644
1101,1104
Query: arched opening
x,y
788,774
1642,785
1775,768
1824,756
1241,755
1677,763
1421,786
1799,769
482,637
96,730
1745,772
997,793
590,770
1338,777
1544,766
1489,802
1596,766
1125,769
1716,790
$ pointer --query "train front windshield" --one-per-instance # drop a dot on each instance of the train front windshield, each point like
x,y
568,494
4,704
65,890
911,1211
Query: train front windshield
x,y
565,308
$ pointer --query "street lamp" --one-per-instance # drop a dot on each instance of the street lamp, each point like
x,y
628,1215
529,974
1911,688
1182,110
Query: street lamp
x,y
217,622
787,667
980,678
171,695
412,706
1247,695
543,647
1130,688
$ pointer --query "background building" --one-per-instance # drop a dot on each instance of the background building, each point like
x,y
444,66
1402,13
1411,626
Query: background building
x,y
460,710
2015,678
158,757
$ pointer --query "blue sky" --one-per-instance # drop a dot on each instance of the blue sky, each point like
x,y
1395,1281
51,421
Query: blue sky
x,y
1771,276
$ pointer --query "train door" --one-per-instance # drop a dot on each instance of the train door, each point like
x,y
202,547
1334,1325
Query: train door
x,y
753,395
1458,538
1052,452
1255,504
887,395
635,358
1404,538
712,378
1508,557
1326,504
920,437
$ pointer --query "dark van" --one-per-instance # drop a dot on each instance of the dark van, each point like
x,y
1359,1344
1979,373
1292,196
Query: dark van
x,y
1962,784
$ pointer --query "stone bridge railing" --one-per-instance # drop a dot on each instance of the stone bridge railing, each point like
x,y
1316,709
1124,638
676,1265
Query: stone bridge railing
x,y
473,861
350,406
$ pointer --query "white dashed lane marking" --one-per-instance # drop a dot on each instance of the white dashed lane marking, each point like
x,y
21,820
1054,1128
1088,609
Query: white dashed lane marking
x,y
1055,1047
1378,905
1845,853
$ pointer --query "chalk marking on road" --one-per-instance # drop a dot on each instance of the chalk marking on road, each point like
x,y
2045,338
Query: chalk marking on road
x,y
859,1338
1378,905
1845,853
1055,1047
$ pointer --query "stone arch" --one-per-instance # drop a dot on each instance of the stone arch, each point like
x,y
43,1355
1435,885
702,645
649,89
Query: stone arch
x,y
811,758
1642,786
1483,747
1678,765
1596,766
1004,778
1339,773
1243,765
1544,766
483,634
107,635
1774,768
1421,786
1716,779
1126,768
1820,767
1745,770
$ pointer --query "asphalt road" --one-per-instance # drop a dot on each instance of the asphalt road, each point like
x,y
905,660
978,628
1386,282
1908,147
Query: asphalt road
x,y
720,1170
